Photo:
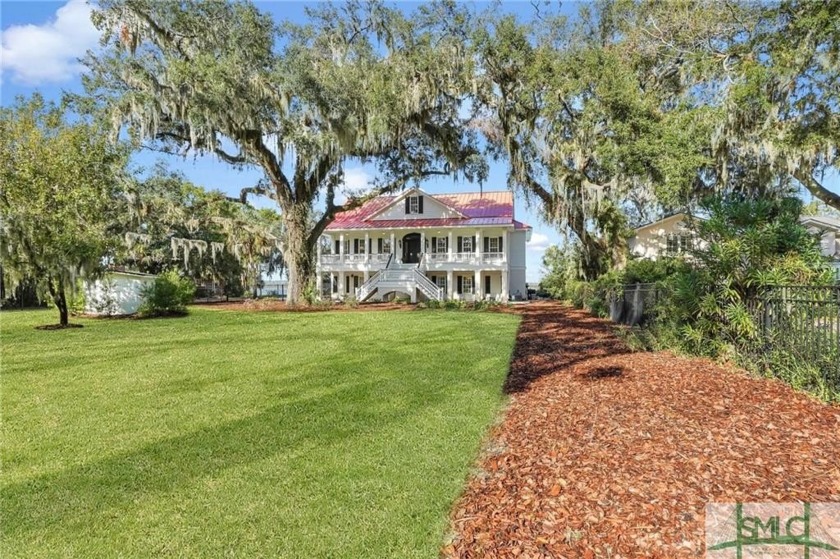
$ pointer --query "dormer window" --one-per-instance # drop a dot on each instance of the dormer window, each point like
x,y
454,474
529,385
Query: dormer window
x,y
414,205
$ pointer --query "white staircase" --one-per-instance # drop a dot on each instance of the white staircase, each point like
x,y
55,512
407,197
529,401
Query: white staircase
x,y
406,278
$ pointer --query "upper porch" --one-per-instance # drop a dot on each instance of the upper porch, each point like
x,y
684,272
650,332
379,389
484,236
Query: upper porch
x,y
439,249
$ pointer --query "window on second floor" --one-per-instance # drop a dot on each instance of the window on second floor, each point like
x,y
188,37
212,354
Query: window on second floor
x,y
493,244
441,244
467,244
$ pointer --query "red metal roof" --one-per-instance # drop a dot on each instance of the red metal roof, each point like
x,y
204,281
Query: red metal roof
x,y
479,208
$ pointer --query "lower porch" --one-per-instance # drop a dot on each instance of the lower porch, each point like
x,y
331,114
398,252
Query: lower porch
x,y
458,285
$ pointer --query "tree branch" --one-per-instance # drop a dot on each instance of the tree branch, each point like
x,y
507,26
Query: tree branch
x,y
816,189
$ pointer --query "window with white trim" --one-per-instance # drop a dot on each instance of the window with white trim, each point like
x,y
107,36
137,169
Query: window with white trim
x,y
467,244
467,284
493,244
440,281
441,244
386,246
414,204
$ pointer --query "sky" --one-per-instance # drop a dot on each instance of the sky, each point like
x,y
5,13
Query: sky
x,y
42,42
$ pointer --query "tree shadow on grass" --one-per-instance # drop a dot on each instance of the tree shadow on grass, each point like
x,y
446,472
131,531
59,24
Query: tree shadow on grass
x,y
320,417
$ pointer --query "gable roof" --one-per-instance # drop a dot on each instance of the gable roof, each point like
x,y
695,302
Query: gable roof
x,y
678,216
394,200
824,222
476,208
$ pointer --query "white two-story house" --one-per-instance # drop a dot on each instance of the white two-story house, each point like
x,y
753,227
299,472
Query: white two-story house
x,y
465,246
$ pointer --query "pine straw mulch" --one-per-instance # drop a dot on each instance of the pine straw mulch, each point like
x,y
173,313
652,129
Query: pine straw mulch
x,y
607,453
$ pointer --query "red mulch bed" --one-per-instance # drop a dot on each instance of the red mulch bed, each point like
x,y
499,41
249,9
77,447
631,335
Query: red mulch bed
x,y
607,453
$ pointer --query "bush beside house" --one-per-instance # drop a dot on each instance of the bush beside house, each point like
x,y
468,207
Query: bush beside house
x,y
168,295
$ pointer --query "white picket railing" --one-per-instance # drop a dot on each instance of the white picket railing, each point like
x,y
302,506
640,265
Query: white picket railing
x,y
409,274
427,286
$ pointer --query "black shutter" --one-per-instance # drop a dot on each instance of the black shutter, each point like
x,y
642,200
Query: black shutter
x,y
370,244
446,243
434,244
486,244
460,244
420,204
501,249
407,206
355,246
379,246
346,284
334,284
460,285
337,247
486,285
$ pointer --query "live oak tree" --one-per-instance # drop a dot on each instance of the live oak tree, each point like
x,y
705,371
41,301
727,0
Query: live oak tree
x,y
59,182
782,96
169,223
592,125
360,84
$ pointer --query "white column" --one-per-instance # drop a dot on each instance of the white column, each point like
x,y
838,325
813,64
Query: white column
x,y
477,285
450,284
367,246
367,275
393,249
332,284
450,247
341,247
504,285
422,242
341,285
477,246
506,244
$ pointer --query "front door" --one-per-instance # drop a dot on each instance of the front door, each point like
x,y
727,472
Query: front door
x,y
411,248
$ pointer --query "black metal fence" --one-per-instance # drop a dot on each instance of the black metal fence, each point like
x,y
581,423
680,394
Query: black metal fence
x,y
804,320
633,304
798,322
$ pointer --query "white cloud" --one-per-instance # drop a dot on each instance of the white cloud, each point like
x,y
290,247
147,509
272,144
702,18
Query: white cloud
x,y
39,54
356,181
539,242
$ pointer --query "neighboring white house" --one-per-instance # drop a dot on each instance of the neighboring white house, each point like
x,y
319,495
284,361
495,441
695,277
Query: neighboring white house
x,y
464,246
828,228
669,236
116,293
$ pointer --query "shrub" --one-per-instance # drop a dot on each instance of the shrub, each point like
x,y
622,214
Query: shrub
x,y
168,295
752,244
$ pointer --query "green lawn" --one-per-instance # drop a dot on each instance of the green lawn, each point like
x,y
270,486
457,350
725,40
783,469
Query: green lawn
x,y
228,434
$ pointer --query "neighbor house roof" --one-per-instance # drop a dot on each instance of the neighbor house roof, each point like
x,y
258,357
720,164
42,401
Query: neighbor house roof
x,y
821,222
475,208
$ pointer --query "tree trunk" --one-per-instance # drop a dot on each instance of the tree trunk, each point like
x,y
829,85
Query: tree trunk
x,y
60,299
299,254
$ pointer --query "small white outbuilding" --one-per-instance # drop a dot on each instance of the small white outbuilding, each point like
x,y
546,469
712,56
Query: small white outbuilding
x,y
116,293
